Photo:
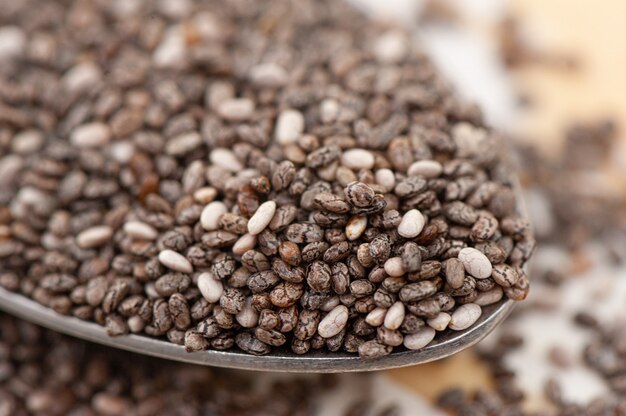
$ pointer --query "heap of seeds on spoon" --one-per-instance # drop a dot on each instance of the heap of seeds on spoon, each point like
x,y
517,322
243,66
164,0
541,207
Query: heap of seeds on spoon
x,y
228,174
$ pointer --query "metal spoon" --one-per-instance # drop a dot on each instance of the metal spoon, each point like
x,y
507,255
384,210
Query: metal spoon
x,y
445,344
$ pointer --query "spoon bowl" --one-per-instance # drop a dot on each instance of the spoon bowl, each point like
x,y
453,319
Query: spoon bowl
x,y
445,344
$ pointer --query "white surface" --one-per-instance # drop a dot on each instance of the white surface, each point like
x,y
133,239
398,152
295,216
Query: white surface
x,y
601,291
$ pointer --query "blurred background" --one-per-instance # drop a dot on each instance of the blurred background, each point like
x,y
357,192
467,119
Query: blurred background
x,y
550,76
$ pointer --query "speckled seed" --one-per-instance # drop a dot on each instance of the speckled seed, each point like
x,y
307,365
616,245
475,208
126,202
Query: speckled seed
x,y
475,263
455,273
376,317
440,322
465,316
420,339
411,257
386,179
91,135
140,230
359,194
519,291
261,217
175,261
394,267
504,275
209,219
210,287
425,168
328,201
225,159
356,226
489,297
373,349
357,159
194,341
250,344
94,236
395,316
412,224
246,242
334,322
290,253
289,127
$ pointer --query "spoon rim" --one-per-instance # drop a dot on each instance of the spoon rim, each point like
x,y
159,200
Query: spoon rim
x,y
445,344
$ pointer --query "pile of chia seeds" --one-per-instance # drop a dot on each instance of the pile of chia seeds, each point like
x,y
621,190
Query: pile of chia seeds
x,y
236,175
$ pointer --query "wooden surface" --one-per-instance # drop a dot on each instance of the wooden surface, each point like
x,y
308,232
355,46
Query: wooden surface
x,y
594,32
428,380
